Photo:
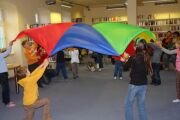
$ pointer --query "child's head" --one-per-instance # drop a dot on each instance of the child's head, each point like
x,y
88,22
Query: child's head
x,y
141,43
177,43
22,72
158,42
25,44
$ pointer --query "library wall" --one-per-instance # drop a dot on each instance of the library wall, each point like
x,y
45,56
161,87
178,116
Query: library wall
x,y
161,12
99,12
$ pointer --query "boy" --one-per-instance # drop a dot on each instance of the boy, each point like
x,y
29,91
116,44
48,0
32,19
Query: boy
x,y
30,52
156,63
30,98
4,77
74,53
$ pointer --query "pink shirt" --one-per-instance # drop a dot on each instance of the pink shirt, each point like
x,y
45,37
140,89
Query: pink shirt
x,y
178,60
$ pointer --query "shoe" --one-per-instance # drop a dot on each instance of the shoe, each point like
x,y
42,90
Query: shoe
x,y
100,70
120,78
115,77
11,105
176,101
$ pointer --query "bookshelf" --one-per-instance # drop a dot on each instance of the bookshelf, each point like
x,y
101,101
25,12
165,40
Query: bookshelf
x,y
110,19
159,26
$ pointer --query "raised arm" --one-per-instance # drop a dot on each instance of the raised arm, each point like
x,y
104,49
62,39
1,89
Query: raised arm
x,y
8,51
170,52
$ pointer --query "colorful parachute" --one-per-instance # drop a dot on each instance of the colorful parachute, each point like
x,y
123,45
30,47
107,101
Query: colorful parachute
x,y
105,38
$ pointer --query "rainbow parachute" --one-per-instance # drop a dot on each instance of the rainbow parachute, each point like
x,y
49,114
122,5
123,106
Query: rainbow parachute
x,y
105,38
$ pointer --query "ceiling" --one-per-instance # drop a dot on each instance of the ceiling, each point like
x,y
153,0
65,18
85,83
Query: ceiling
x,y
97,2
103,2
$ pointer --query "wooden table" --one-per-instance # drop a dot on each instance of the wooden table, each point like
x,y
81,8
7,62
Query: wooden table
x,y
14,68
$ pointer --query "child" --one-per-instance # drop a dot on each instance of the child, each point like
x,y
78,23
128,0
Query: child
x,y
156,65
118,67
74,53
31,101
30,52
60,64
138,85
170,52
4,77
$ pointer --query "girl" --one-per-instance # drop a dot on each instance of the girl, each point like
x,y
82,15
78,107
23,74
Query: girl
x,y
170,52
138,85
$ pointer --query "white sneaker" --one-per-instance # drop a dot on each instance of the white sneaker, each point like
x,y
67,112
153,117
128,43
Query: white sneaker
x,y
176,101
115,77
120,78
100,70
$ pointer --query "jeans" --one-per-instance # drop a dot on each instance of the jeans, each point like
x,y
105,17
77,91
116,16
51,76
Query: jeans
x,y
138,92
30,109
5,87
61,67
118,69
156,73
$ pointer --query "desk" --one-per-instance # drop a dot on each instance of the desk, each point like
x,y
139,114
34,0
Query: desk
x,y
14,68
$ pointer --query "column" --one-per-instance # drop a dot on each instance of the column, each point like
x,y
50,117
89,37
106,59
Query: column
x,y
132,11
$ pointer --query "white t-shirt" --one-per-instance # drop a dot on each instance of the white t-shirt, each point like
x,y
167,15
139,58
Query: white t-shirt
x,y
74,56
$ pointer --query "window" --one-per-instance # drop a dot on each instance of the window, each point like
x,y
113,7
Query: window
x,y
2,41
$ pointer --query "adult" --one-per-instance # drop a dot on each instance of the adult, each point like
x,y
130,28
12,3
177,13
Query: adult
x,y
4,77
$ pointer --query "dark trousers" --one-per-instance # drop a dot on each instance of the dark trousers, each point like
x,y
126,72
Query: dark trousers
x,y
61,67
118,69
156,73
5,87
31,68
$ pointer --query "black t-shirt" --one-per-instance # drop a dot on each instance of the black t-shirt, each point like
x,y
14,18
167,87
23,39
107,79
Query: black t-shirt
x,y
138,72
60,57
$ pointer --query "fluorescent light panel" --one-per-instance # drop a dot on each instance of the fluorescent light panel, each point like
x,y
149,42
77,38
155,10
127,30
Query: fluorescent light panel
x,y
67,6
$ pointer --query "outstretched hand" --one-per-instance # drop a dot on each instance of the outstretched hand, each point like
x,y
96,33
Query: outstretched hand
x,y
11,43
46,62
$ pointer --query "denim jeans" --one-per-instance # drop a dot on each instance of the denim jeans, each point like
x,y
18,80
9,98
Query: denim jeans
x,y
156,73
61,67
138,92
118,69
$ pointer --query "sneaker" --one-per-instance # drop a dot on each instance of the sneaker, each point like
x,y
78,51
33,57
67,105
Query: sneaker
x,y
115,77
100,70
11,105
120,78
176,101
